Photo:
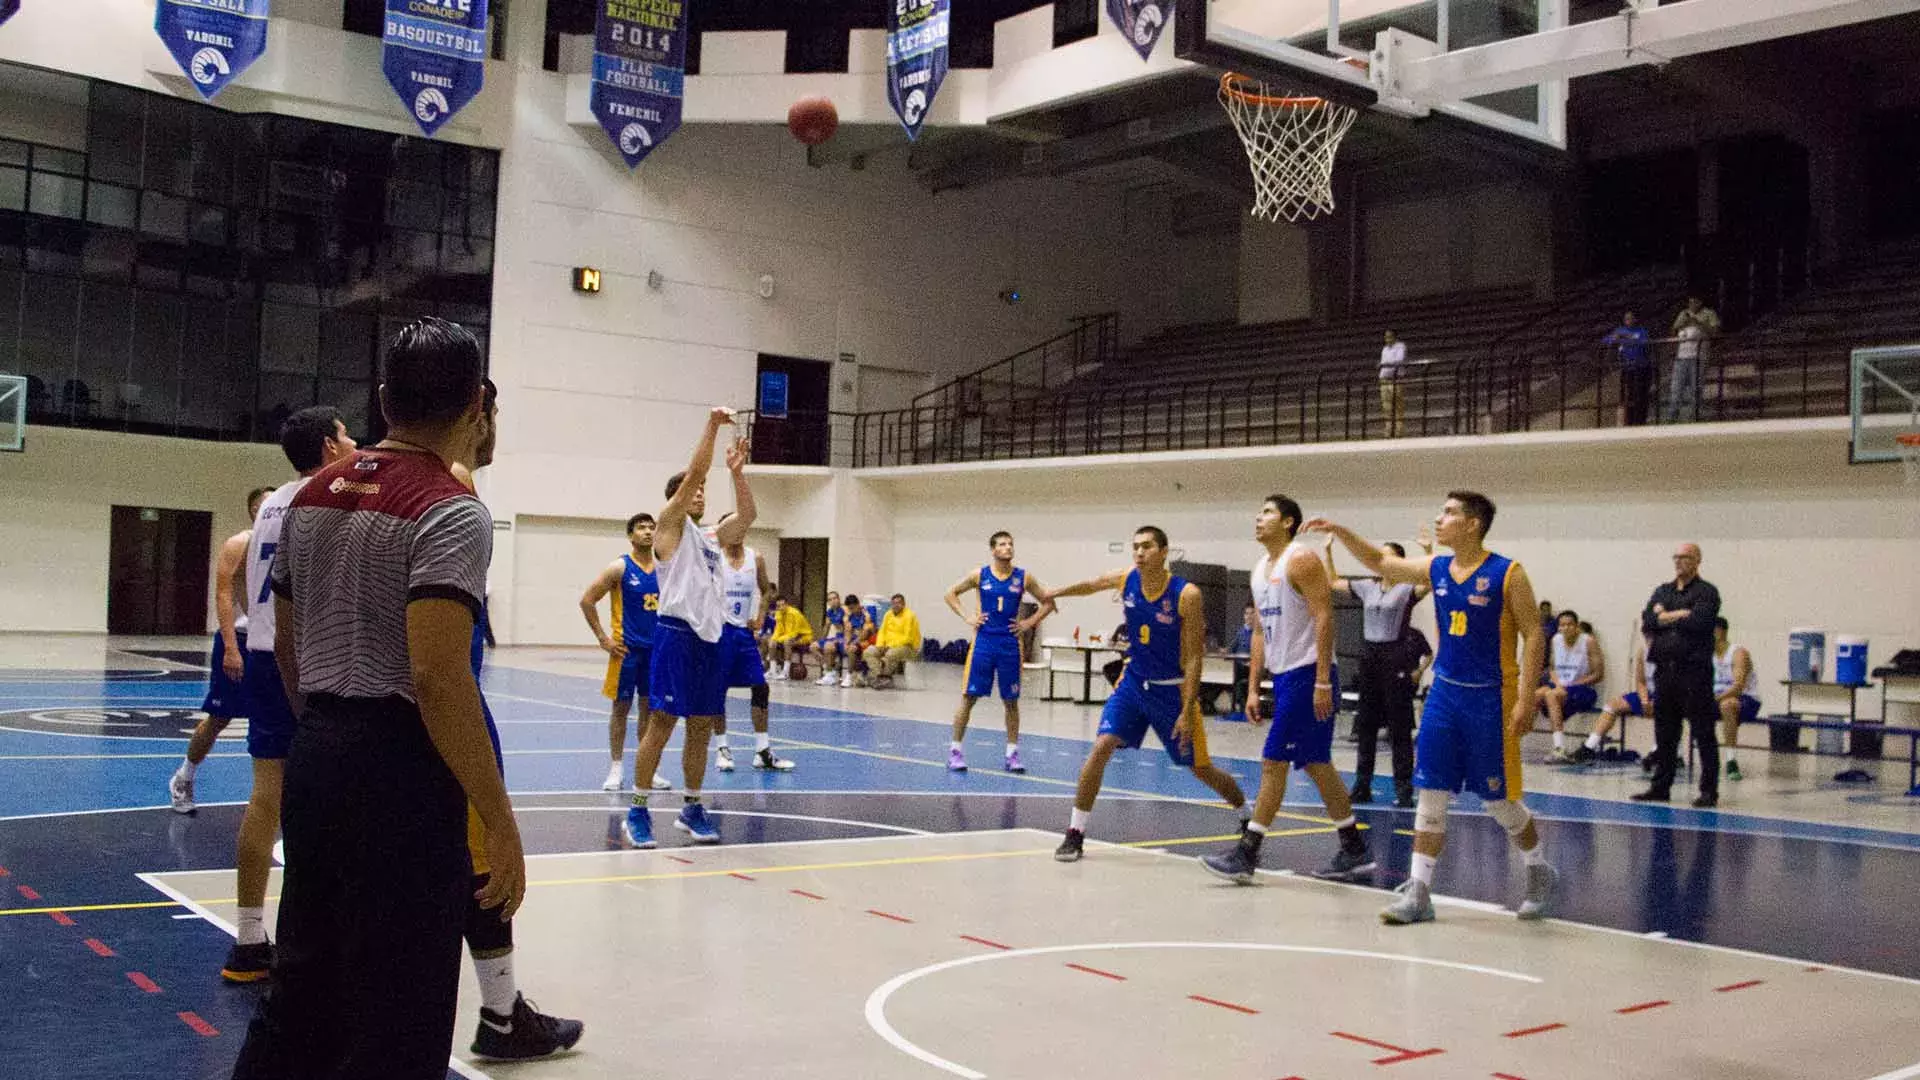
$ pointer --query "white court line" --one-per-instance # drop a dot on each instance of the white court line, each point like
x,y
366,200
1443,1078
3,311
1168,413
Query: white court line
x,y
1907,1073
901,829
876,1008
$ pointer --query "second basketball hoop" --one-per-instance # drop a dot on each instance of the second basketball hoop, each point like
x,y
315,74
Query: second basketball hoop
x,y
1291,144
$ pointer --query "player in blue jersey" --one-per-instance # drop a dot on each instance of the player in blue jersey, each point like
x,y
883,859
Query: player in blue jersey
x,y
995,654
1160,688
634,590
510,1029
833,639
1482,698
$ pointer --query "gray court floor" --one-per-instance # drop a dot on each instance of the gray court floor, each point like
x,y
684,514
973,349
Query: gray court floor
x,y
974,954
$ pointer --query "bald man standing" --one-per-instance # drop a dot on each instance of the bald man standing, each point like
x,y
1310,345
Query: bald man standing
x,y
1678,621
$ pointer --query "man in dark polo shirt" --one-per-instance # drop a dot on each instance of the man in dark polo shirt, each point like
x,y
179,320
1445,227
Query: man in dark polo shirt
x,y
377,582
1678,621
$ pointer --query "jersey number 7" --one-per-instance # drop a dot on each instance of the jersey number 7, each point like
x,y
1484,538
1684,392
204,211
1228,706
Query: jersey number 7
x,y
266,583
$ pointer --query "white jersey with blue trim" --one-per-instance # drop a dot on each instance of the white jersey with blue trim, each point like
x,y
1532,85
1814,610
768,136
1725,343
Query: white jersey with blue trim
x,y
1723,672
741,588
260,551
1285,620
1571,663
690,582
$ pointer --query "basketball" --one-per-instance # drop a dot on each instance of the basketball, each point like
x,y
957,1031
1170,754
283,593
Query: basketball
x,y
813,120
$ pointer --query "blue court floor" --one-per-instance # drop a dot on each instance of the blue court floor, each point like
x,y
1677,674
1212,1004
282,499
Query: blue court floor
x,y
104,976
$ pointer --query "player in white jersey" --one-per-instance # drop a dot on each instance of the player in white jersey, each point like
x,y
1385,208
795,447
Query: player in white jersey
x,y
1576,667
1637,701
312,438
1293,640
748,592
226,674
1734,683
688,678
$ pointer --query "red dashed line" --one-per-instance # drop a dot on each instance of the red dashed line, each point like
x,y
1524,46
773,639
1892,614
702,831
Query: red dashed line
x,y
1097,971
1643,1007
27,892
143,982
805,893
742,877
885,915
1400,1053
1507,1076
1738,986
1815,970
984,941
60,917
678,859
1223,1004
199,1026
99,947
1524,1032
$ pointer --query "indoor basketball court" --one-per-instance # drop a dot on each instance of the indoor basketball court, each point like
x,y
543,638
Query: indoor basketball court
x,y
1060,274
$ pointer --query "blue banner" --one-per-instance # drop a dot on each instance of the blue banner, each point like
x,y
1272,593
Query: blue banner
x,y
1141,21
773,395
213,41
7,8
436,56
917,32
639,72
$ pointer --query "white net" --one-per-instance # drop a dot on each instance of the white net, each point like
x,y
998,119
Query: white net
x,y
1291,143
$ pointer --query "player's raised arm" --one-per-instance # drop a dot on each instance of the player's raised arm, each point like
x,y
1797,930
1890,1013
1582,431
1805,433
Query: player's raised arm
x,y
1520,608
1107,582
1340,585
1393,569
734,529
606,582
965,585
673,516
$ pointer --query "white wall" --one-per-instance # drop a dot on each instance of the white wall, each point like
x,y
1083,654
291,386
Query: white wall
x,y
56,505
1792,535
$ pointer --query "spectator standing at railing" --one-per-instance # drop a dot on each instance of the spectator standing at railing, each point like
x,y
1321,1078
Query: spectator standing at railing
x,y
1393,364
1692,328
1636,369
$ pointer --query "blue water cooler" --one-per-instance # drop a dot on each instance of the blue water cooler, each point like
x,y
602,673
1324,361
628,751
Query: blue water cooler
x,y
1850,660
1806,654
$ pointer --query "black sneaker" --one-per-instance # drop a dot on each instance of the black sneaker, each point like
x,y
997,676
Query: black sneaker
x,y
1236,864
1650,795
1706,802
528,1033
248,963
1071,846
1346,866
1583,754
1361,794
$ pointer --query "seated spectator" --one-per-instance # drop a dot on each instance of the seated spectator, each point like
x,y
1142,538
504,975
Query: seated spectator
x,y
1242,655
897,644
1117,641
792,634
840,656
1733,687
833,635
1635,702
1573,681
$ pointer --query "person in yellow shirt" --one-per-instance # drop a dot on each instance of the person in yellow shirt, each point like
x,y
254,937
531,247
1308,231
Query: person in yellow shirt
x,y
792,633
898,643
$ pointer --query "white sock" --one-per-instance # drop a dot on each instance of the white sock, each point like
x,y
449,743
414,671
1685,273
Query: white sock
x,y
1559,740
617,763
1079,819
762,741
720,741
1593,741
1255,827
1345,823
1423,868
497,991
1538,856
253,925
1013,748
187,769
955,744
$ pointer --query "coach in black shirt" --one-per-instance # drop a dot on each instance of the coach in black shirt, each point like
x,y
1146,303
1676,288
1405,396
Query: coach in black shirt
x,y
1678,621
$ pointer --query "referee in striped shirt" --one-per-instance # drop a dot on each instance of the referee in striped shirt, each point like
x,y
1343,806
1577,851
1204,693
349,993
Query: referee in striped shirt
x,y
377,582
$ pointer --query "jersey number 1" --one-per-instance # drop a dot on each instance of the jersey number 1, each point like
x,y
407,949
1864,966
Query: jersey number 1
x,y
1457,626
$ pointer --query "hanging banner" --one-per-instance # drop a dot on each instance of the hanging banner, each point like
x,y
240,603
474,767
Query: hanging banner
x,y
639,72
917,32
1141,21
436,56
7,8
213,41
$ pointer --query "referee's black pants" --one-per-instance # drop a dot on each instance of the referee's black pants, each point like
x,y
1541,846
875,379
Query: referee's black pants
x,y
1386,701
1683,691
366,973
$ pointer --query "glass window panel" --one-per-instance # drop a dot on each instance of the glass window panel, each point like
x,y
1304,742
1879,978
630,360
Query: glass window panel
x,y
49,307
108,255
210,174
103,339
109,204
10,282
13,189
353,398
346,345
12,153
166,158
55,195
416,252
280,397
464,256
208,225
56,160
414,206
115,131
150,276
289,339
163,216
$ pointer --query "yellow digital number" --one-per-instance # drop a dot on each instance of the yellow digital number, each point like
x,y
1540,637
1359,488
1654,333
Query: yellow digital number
x,y
1146,633
653,602
1458,626
1000,605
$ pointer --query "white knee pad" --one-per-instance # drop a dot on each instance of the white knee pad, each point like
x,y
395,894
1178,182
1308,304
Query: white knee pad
x,y
1430,812
1511,815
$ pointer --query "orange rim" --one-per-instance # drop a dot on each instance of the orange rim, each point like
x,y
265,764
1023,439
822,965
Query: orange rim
x,y
1248,97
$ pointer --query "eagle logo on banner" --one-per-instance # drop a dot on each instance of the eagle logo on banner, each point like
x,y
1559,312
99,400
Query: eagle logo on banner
x,y
639,73
917,36
435,56
1141,21
213,41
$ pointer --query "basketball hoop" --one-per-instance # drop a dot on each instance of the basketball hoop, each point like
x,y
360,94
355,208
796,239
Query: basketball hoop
x,y
1909,444
1291,143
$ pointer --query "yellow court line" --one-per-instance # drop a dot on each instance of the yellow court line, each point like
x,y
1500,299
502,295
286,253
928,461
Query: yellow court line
x,y
903,860
1028,777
